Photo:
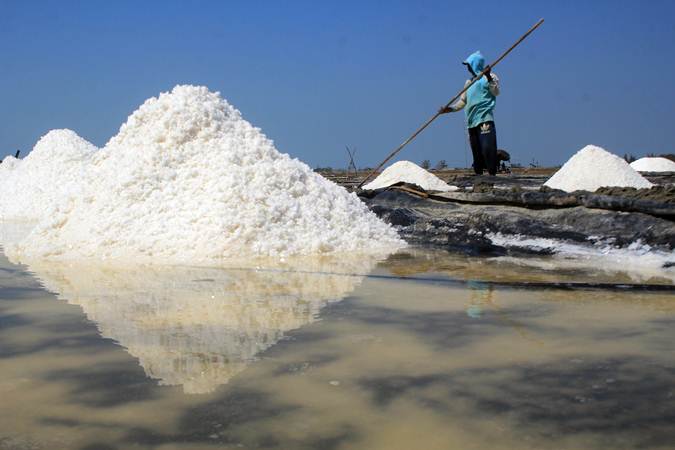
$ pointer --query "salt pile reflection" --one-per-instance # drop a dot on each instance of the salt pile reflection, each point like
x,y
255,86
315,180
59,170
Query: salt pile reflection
x,y
199,327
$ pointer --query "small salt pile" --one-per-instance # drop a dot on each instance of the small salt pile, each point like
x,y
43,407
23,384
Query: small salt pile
x,y
188,180
50,174
592,168
653,164
409,172
8,164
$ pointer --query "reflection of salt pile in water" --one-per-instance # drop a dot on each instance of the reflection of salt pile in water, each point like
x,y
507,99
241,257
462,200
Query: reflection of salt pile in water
x,y
592,168
653,164
49,175
638,261
188,180
408,172
200,327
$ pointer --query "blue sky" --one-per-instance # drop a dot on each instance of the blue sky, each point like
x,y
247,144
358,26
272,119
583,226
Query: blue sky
x,y
316,76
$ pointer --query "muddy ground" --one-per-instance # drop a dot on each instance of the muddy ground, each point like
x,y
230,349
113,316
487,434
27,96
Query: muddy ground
x,y
518,205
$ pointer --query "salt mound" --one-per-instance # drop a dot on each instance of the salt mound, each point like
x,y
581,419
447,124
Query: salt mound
x,y
48,176
592,168
653,164
188,180
9,163
409,172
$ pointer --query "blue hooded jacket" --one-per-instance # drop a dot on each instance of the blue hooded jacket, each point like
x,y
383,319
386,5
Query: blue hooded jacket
x,y
480,102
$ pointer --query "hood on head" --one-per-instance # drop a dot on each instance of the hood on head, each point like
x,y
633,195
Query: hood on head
x,y
476,61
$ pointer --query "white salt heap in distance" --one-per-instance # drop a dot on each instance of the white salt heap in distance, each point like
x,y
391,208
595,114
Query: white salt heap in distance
x,y
51,173
188,180
592,168
653,164
409,172
8,164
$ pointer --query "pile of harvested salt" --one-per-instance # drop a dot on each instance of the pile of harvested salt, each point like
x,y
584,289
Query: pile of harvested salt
x,y
9,163
409,172
188,180
592,168
653,164
49,175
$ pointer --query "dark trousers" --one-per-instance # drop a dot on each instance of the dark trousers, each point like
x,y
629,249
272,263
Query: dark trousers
x,y
483,139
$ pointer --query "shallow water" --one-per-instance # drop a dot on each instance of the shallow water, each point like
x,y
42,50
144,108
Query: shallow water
x,y
424,350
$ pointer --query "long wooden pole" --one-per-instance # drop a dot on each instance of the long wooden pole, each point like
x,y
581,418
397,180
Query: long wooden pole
x,y
452,100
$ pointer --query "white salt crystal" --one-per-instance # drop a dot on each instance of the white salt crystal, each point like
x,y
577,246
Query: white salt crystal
x,y
50,174
9,163
188,180
409,172
653,164
592,168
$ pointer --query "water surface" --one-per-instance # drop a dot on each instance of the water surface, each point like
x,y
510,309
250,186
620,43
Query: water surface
x,y
424,350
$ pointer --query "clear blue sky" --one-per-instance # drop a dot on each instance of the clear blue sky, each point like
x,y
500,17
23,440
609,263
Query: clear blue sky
x,y
317,76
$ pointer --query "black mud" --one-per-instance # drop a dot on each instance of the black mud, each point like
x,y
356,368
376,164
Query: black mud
x,y
463,221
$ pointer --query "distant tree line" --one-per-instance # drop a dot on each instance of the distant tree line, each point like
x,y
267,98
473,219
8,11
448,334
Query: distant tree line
x,y
426,164
442,164
669,156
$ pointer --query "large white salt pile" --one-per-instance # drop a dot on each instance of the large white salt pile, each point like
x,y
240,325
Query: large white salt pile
x,y
409,172
592,168
188,180
50,175
653,164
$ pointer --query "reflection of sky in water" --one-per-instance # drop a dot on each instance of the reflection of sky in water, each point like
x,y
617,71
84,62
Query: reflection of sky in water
x,y
198,327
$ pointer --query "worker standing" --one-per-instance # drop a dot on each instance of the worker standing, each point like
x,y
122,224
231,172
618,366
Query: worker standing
x,y
479,103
